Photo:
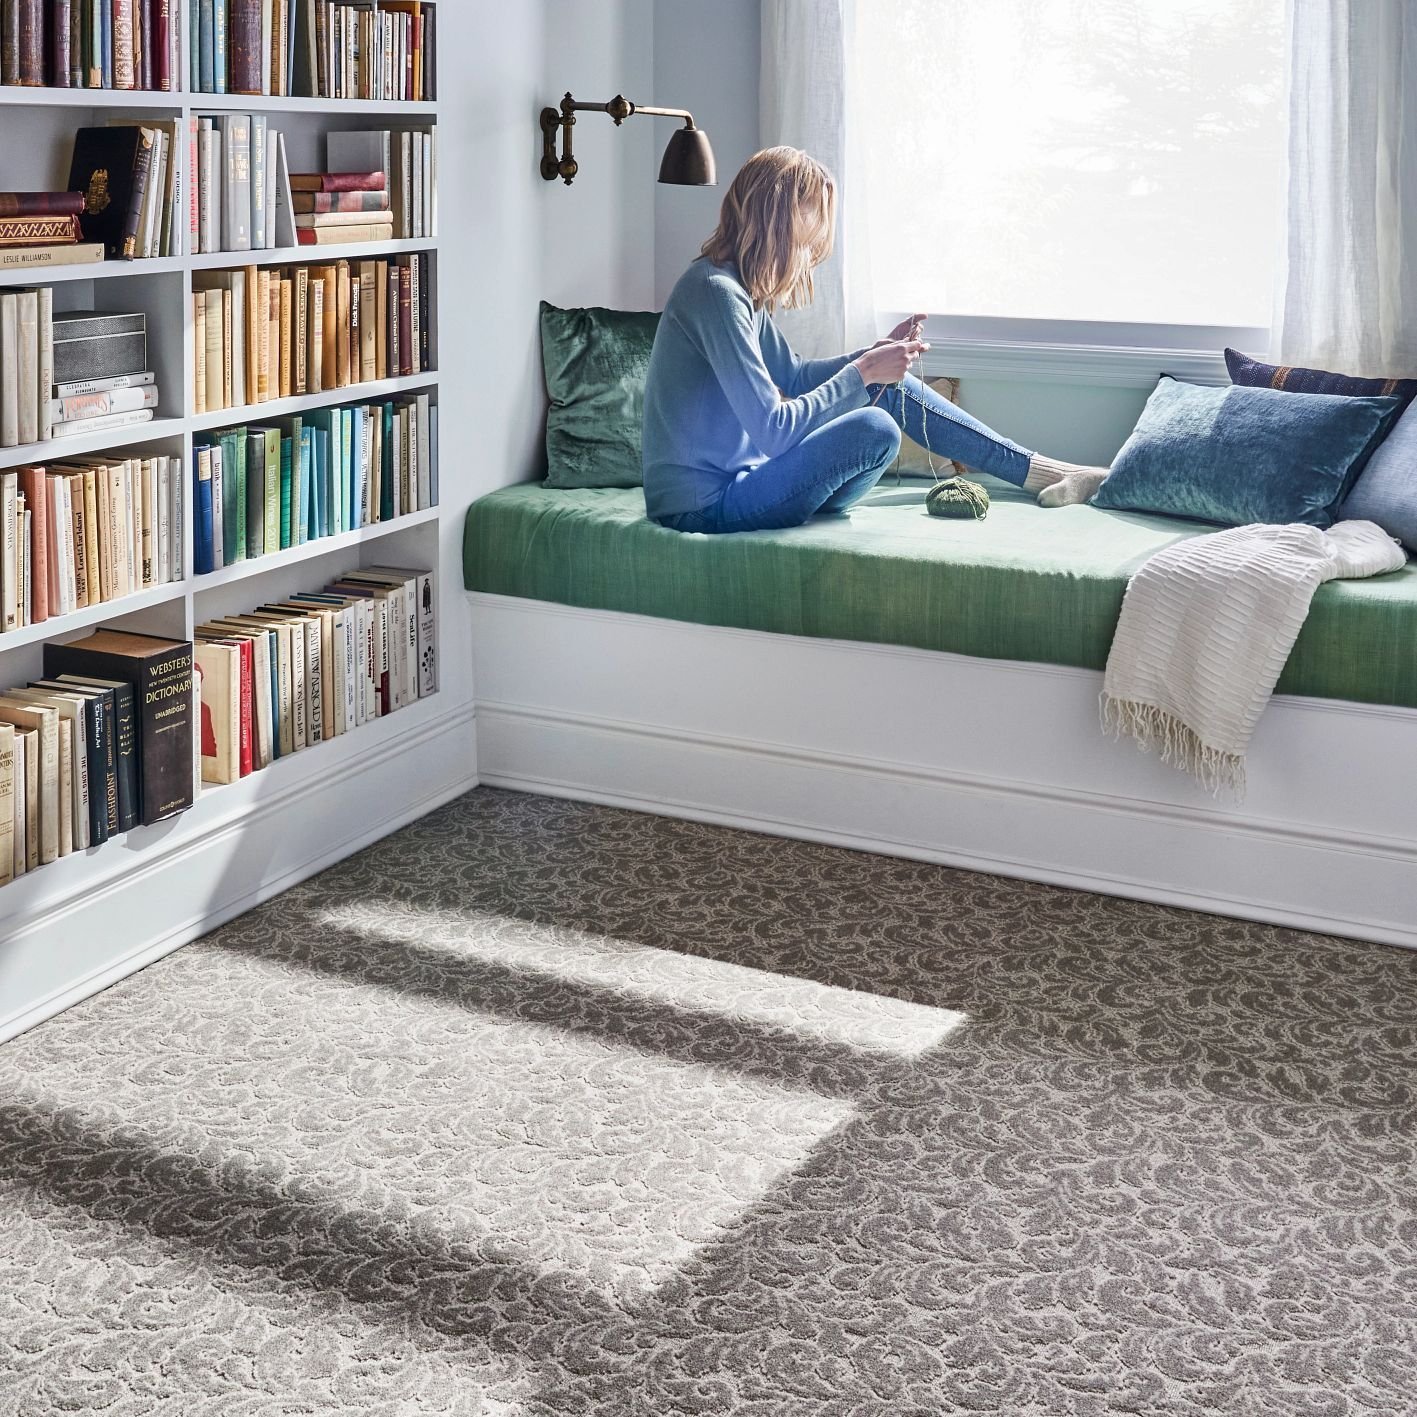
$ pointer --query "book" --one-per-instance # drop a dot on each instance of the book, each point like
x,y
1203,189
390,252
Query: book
x,y
102,424
74,254
78,387
39,230
218,667
44,721
337,182
159,672
321,202
7,803
318,221
113,400
111,167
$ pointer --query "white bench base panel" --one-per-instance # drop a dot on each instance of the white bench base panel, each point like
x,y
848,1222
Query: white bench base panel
x,y
989,765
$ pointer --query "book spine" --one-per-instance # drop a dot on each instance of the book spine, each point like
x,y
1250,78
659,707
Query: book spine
x,y
246,46
162,45
46,360
50,204
31,43
71,254
105,43
32,230
142,171
406,354
9,42
123,74
103,424
61,44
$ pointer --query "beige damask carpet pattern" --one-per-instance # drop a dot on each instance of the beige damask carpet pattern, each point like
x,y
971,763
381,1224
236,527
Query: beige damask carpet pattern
x,y
540,1108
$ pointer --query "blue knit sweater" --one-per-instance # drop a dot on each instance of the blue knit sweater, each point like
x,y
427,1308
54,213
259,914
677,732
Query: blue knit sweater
x,y
725,392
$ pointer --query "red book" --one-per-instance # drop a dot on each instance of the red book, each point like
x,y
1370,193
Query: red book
x,y
41,203
246,46
33,483
31,58
248,666
336,181
162,44
325,202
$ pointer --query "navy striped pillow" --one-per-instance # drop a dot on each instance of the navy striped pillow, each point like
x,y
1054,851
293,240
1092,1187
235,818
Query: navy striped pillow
x,y
1254,374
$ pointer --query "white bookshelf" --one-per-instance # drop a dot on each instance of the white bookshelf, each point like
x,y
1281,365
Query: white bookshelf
x,y
69,928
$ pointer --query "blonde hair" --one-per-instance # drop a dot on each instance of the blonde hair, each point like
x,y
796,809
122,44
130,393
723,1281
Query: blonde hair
x,y
778,221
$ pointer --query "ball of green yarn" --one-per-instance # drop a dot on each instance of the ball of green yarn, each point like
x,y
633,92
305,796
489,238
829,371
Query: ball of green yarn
x,y
957,497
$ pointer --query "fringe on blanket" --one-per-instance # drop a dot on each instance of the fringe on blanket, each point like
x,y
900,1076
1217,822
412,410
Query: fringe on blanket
x,y
1156,730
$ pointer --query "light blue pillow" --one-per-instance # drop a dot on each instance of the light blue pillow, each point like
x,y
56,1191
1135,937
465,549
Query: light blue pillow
x,y
1235,455
1386,490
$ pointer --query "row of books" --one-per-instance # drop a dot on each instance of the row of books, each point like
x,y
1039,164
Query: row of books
x,y
71,372
313,48
101,743
408,160
85,532
242,181
276,332
91,44
259,490
301,671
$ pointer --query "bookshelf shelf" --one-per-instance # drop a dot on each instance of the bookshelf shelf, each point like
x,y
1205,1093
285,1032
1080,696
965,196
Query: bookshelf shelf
x,y
58,626
306,255
63,449
323,107
302,403
91,270
310,550
145,100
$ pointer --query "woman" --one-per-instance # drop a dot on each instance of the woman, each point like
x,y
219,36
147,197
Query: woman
x,y
742,435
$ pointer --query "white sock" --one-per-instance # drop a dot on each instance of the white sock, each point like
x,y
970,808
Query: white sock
x,y
1061,484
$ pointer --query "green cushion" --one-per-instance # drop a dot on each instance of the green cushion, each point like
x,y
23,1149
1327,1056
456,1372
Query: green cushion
x,y
595,362
1028,583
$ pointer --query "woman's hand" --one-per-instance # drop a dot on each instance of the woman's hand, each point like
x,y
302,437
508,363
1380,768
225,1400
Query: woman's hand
x,y
889,361
909,328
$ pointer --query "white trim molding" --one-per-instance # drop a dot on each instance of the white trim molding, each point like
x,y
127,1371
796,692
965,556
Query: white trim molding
x,y
211,866
1119,367
841,742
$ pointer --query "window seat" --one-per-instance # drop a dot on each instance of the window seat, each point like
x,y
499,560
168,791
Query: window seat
x,y
1028,584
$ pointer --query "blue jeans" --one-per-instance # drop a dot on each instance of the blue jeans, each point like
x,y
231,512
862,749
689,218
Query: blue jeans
x,y
835,467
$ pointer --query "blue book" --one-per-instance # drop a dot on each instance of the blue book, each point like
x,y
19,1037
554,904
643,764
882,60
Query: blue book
x,y
194,50
317,487
219,46
106,46
202,539
204,76
307,485
386,472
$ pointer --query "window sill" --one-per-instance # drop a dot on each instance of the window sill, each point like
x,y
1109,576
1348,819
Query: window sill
x,y
1114,366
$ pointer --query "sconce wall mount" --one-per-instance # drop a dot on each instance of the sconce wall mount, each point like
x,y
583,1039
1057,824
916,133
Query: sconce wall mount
x,y
688,160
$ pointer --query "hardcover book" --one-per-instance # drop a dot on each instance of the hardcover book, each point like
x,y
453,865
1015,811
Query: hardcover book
x,y
160,673
111,167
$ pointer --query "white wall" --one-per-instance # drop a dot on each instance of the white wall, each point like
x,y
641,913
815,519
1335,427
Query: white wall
x,y
705,60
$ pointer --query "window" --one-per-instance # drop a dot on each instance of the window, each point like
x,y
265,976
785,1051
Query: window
x,y
1075,162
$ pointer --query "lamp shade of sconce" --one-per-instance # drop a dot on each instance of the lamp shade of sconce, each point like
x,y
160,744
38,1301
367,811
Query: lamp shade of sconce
x,y
688,160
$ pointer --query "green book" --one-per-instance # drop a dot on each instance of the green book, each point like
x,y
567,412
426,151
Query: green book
x,y
233,498
271,538
285,490
255,492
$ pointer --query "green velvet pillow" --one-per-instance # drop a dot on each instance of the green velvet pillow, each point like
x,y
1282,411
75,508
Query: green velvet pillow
x,y
595,361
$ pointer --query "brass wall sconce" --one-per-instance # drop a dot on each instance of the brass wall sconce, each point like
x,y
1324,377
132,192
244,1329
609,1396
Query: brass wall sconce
x,y
688,160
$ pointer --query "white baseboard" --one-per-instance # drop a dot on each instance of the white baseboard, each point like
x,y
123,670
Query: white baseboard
x,y
215,862
822,740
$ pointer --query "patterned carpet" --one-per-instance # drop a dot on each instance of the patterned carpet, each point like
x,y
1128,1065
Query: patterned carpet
x,y
542,1108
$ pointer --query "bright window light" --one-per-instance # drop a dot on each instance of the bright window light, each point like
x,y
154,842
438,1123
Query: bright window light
x,y
1075,160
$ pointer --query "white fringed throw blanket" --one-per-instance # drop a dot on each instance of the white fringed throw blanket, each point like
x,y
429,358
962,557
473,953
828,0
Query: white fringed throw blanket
x,y
1206,628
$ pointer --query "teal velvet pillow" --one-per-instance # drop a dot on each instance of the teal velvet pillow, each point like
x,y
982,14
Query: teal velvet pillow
x,y
595,361
1235,455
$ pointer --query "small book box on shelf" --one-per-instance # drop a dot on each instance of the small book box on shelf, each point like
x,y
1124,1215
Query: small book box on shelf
x,y
219,435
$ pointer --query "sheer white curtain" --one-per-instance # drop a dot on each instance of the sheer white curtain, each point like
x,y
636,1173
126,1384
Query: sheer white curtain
x,y
1348,298
809,84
